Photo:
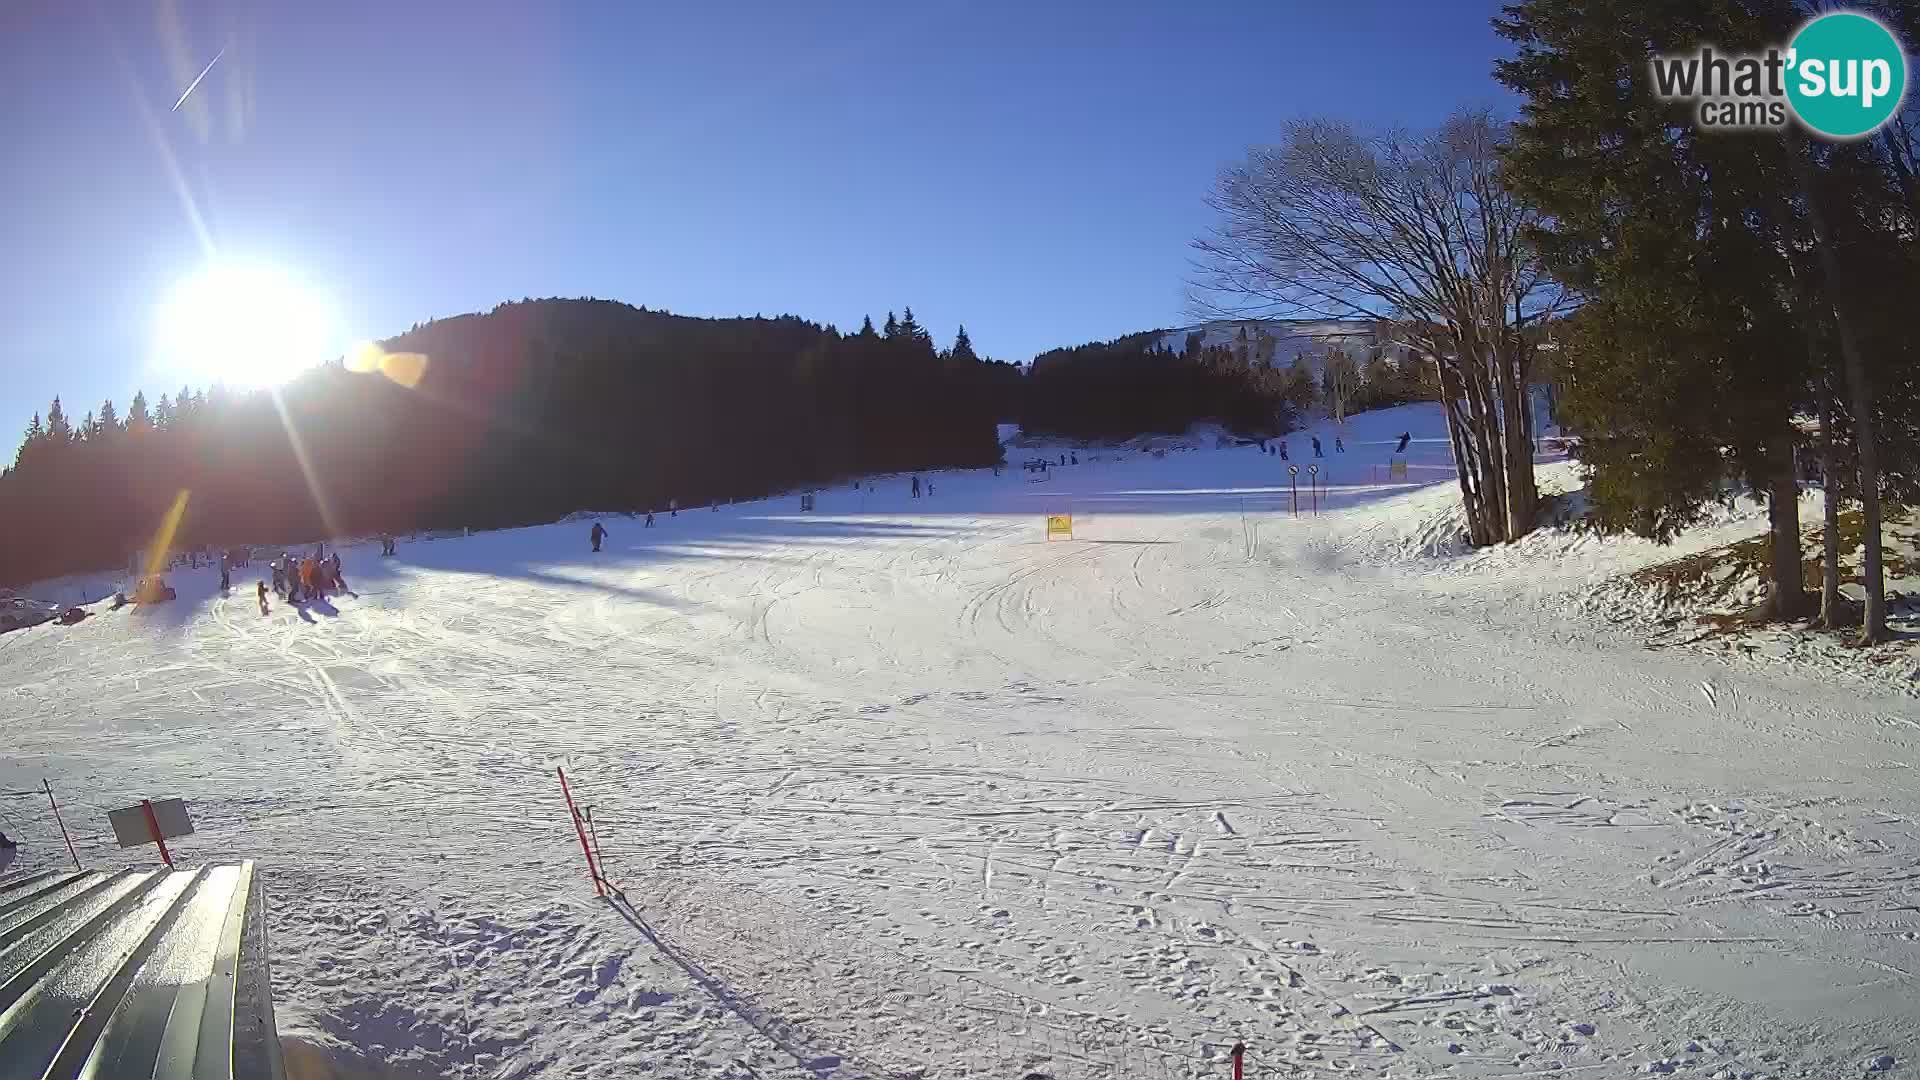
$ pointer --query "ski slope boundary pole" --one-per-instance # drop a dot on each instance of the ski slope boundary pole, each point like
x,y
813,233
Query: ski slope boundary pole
x,y
580,831
153,828
62,824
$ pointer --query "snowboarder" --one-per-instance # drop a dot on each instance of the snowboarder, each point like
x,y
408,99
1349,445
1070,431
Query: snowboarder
x,y
916,487
1063,459
598,534
1075,457
1283,451
649,523
1405,437
1338,446
929,489
226,574
386,544
1316,447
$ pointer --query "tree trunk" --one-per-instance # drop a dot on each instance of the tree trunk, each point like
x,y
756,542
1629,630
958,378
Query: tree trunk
x,y
1484,430
1873,625
1451,394
1788,599
1830,611
1522,496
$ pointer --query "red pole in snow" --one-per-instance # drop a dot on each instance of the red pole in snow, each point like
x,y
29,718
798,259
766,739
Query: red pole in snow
x,y
1239,1052
153,827
62,824
581,832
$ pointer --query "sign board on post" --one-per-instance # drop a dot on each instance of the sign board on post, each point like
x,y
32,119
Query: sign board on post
x,y
151,823
1059,525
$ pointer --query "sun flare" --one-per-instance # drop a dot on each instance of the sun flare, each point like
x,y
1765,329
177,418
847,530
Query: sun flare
x,y
244,325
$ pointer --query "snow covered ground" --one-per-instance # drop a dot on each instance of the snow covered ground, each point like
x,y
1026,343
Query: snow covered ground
x,y
901,787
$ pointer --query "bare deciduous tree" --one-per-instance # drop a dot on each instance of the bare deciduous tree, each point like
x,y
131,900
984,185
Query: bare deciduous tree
x,y
1415,229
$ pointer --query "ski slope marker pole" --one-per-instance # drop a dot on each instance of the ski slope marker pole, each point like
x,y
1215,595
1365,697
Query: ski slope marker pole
x,y
57,821
580,831
153,828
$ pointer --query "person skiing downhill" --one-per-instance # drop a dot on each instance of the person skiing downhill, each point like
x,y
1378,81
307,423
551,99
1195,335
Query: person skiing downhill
x,y
1338,446
1316,447
598,534
1405,437
916,487
1282,446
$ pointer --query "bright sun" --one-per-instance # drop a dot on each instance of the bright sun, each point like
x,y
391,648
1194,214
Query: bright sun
x,y
245,325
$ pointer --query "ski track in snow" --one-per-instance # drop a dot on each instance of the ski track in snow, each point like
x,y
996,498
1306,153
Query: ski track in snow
x,y
899,785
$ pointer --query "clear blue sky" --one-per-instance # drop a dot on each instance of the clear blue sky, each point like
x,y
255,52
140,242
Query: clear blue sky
x,y
1032,169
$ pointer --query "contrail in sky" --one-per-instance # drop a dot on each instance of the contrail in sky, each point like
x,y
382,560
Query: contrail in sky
x,y
196,80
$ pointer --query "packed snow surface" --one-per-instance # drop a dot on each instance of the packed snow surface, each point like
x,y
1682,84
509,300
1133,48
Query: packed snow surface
x,y
901,787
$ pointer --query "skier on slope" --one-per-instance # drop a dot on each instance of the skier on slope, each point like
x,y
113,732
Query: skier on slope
x,y
916,487
598,534
1283,450
1405,437
1316,447
1338,446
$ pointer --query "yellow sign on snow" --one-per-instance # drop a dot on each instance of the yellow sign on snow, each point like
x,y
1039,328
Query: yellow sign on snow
x,y
1059,525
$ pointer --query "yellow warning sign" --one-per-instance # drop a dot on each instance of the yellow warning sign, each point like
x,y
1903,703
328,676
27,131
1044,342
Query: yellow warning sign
x,y
1059,525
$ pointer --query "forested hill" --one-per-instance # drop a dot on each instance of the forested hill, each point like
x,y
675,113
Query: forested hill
x,y
519,415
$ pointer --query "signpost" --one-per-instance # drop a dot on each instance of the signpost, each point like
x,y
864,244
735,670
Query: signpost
x,y
1313,485
1293,479
151,823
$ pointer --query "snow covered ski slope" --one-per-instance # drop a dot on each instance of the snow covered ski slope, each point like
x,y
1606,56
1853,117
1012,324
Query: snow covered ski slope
x,y
899,785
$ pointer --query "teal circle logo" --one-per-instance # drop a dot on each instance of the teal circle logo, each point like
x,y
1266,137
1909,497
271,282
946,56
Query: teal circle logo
x,y
1847,74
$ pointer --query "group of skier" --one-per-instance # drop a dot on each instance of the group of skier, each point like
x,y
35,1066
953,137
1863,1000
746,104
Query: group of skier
x,y
1339,447
311,578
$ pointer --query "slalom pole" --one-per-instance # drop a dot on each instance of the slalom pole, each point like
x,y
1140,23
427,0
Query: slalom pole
x,y
63,825
580,831
153,829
